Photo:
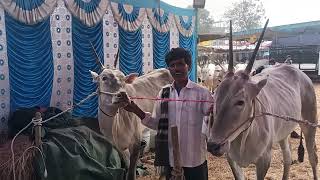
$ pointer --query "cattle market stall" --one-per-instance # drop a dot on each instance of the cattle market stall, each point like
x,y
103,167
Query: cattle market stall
x,y
45,51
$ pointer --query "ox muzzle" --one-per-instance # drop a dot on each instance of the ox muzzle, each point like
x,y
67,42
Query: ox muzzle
x,y
218,149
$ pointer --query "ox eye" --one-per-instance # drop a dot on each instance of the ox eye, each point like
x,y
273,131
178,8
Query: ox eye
x,y
104,78
239,103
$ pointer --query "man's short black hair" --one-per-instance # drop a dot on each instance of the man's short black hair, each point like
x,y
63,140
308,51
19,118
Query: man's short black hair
x,y
178,53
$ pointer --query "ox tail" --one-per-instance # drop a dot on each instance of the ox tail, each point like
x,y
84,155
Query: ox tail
x,y
301,149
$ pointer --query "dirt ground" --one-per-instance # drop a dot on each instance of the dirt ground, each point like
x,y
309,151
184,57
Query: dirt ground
x,y
220,170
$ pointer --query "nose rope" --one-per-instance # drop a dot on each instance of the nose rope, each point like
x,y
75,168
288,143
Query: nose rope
x,y
100,109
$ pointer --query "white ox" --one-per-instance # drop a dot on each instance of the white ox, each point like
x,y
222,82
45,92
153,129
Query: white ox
x,y
241,130
211,75
122,128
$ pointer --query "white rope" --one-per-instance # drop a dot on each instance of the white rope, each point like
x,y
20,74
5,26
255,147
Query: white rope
x,y
69,109
36,122
42,157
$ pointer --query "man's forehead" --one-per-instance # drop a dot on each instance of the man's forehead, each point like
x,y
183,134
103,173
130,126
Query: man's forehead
x,y
181,60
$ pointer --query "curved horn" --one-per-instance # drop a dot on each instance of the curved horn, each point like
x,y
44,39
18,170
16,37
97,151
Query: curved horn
x,y
224,70
230,66
116,59
253,57
97,57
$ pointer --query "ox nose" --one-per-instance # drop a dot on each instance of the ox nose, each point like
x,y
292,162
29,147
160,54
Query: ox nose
x,y
213,147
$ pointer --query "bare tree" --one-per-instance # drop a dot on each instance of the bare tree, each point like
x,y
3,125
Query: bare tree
x,y
246,14
205,21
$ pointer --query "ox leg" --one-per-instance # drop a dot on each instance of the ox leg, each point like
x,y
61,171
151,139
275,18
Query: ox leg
x,y
263,164
309,133
134,156
286,153
236,169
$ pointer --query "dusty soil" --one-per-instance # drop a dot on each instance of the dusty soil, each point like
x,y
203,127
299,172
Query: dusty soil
x,y
220,170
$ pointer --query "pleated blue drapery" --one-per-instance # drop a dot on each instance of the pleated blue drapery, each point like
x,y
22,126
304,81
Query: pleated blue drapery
x,y
84,60
130,44
30,63
88,7
29,48
188,43
29,5
161,41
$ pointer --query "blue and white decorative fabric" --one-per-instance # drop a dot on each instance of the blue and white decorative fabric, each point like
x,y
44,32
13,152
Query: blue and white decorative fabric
x,y
4,75
185,24
30,62
63,86
89,12
46,52
128,17
160,19
174,36
29,11
111,37
147,46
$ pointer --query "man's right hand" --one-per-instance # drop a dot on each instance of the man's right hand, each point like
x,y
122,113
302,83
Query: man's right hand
x,y
131,107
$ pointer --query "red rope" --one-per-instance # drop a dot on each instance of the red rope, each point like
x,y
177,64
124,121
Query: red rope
x,y
169,99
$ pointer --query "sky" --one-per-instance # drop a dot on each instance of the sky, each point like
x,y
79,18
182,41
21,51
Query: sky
x,y
280,12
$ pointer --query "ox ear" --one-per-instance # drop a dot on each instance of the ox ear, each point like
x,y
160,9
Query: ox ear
x,y
255,88
262,83
95,76
130,78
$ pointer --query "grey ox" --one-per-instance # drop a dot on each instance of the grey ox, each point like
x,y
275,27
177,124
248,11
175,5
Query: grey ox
x,y
241,130
122,128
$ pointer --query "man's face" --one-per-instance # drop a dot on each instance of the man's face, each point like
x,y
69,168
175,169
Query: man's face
x,y
178,69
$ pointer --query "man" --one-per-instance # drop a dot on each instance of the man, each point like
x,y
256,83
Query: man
x,y
186,115
288,60
259,69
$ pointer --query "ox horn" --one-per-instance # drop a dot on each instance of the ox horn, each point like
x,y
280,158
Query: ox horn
x,y
230,66
97,57
116,59
253,57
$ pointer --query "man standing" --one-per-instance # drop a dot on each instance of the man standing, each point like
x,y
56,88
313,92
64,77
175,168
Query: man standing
x,y
288,59
186,115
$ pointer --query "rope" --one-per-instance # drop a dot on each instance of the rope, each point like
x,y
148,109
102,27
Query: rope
x,y
157,99
288,118
169,99
38,122
69,109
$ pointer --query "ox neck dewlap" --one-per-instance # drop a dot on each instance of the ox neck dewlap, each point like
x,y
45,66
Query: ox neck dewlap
x,y
161,139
